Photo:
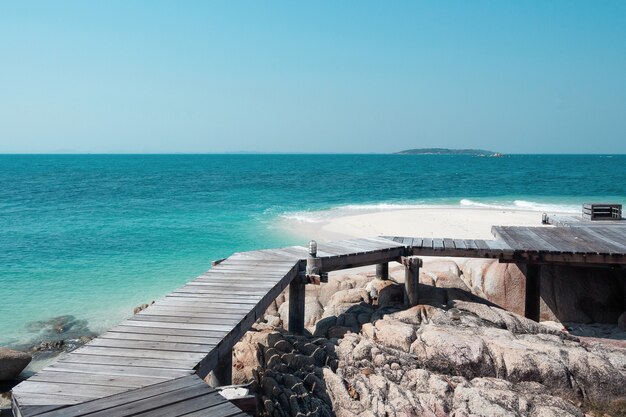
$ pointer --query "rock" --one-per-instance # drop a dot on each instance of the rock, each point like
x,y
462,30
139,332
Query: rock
x,y
582,295
313,311
453,356
621,322
391,295
322,326
395,334
438,265
245,355
49,345
334,285
337,332
375,286
142,307
67,327
351,296
12,362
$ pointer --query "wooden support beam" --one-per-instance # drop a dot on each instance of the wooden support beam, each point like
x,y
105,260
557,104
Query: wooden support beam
x,y
411,280
533,291
223,372
382,271
296,306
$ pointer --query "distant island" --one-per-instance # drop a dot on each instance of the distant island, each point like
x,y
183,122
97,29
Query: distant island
x,y
446,151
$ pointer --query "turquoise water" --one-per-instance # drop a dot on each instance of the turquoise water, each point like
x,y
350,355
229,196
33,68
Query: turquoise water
x,y
95,235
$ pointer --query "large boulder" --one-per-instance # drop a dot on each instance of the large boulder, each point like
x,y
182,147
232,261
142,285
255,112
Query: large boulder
x,y
313,311
12,362
583,295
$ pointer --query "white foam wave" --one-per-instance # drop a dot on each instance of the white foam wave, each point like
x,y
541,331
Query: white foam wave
x,y
323,215
524,205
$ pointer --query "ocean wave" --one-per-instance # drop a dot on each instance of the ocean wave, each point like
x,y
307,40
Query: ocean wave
x,y
524,205
348,209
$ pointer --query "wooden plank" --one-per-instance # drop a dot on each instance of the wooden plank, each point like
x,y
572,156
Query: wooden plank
x,y
152,345
460,244
214,403
113,370
448,244
481,244
173,311
352,261
147,393
140,353
438,244
88,378
75,390
30,400
123,328
231,321
139,404
614,239
161,338
247,301
128,362
199,303
427,243
187,326
470,244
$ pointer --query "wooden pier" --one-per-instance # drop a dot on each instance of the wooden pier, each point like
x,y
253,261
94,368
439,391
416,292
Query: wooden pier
x,y
151,364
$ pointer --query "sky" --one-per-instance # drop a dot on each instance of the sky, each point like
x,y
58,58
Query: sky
x,y
312,76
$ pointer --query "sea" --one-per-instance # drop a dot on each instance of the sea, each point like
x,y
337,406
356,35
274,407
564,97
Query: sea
x,y
86,238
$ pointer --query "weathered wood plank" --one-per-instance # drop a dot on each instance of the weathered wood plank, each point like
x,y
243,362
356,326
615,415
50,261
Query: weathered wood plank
x,y
175,386
140,353
74,390
161,338
152,345
113,370
55,375
127,362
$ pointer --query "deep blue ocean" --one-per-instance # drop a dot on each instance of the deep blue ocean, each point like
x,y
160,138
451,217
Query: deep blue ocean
x,y
93,236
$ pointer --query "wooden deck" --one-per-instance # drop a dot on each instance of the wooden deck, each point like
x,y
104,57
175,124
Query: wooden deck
x,y
596,245
576,220
192,330
186,396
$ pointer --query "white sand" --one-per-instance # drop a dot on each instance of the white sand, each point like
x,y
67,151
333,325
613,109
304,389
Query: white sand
x,y
461,223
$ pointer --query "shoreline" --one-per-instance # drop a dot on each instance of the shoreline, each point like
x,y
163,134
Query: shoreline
x,y
442,222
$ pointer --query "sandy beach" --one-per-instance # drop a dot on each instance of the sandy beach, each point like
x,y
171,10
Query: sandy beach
x,y
462,223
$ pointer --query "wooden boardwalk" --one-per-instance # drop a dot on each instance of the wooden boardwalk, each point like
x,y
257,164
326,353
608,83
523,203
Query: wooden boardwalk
x,y
192,330
596,245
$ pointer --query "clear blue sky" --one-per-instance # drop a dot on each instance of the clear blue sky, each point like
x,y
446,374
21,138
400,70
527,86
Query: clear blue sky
x,y
315,76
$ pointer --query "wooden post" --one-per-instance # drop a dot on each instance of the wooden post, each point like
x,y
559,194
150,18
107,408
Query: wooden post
x,y
297,292
223,372
296,305
533,292
412,266
382,271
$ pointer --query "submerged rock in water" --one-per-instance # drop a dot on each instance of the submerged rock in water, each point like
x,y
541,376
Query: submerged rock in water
x,y
61,325
12,362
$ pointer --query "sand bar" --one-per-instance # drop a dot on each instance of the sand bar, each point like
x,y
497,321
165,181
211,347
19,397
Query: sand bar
x,y
461,223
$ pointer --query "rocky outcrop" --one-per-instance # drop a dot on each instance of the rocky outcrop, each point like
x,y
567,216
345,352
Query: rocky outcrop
x,y
568,294
461,360
455,354
12,363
